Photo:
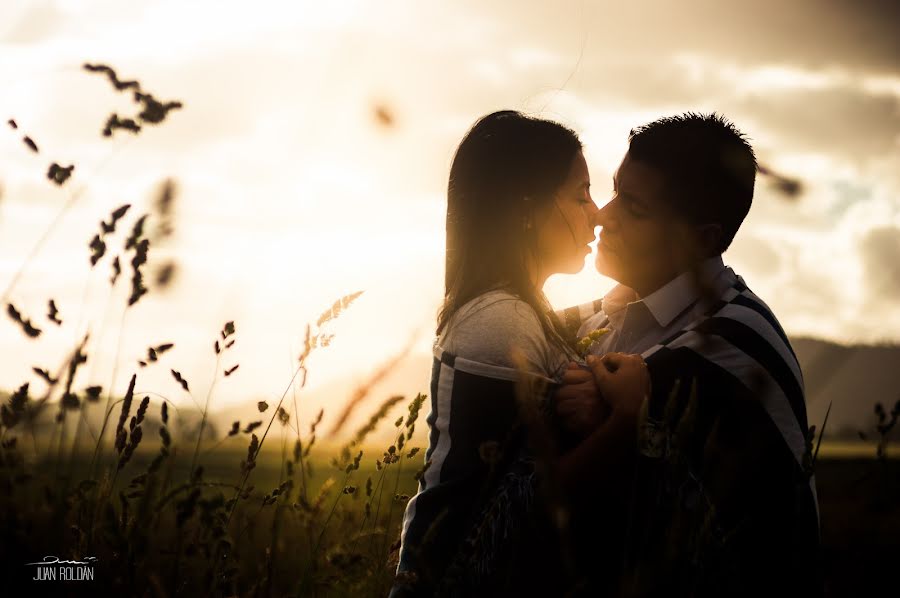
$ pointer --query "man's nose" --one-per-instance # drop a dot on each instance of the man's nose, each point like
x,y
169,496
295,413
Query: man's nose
x,y
604,216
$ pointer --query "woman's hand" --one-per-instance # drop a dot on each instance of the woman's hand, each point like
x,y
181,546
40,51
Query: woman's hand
x,y
578,402
624,382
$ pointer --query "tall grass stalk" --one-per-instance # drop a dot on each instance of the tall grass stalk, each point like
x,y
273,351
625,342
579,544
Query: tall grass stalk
x,y
98,447
205,413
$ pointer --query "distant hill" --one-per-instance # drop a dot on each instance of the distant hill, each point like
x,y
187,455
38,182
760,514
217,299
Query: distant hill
x,y
851,378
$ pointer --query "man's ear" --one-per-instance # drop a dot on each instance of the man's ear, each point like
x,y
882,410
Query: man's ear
x,y
709,238
694,243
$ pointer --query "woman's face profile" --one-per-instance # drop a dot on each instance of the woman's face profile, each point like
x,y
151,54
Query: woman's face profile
x,y
565,226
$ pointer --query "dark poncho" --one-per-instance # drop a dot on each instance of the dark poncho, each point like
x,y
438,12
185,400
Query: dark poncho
x,y
723,500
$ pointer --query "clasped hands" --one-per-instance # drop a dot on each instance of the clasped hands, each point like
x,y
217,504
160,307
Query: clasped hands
x,y
614,388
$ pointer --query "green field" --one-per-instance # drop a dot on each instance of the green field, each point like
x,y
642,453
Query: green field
x,y
332,530
301,520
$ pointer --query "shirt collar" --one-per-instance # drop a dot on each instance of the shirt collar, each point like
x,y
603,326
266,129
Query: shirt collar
x,y
668,301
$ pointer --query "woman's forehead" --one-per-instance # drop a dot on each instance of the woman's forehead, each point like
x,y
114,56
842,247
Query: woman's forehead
x,y
578,173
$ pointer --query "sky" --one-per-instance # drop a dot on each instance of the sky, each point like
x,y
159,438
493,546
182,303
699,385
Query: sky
x,y
293,191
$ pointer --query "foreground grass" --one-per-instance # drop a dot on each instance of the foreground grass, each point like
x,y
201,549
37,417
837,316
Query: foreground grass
x,y
310,520
289,521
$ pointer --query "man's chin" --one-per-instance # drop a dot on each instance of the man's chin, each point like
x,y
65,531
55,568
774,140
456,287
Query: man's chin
x,y
601,264
605,267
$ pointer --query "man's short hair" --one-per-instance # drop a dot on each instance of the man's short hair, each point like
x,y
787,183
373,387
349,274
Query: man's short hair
x,y
708,166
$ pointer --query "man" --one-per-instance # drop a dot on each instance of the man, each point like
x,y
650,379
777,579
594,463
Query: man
x,y
721,499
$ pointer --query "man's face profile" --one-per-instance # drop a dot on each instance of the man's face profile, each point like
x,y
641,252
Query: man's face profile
x,y
642,241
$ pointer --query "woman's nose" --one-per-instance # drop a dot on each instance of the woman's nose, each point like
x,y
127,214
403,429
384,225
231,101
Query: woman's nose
x,y
592,211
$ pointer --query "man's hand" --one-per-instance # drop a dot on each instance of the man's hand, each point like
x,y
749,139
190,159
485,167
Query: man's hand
x,y
578,402
623,380
605,455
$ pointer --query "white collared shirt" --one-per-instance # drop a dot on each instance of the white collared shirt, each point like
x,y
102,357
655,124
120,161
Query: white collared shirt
x,y
638,324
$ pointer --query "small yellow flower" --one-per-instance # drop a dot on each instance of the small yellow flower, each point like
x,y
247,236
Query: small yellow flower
x,y
584,343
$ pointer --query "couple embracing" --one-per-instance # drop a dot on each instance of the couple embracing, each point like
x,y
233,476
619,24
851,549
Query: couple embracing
x,y
652,442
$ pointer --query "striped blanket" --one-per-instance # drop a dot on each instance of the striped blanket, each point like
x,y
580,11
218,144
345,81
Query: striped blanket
x,y
724,500
478,489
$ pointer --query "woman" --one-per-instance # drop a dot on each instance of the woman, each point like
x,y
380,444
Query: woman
x,y
518,210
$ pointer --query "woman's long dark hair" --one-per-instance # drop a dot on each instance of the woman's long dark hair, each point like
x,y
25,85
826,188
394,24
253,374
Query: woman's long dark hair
x,y
505,169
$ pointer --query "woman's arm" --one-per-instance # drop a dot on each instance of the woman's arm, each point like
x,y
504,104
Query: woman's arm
x,y
607,452
601,458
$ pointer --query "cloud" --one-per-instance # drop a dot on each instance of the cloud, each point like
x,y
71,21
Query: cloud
x,y
845,121
753,254
823,111
880,253
806,33
26,22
